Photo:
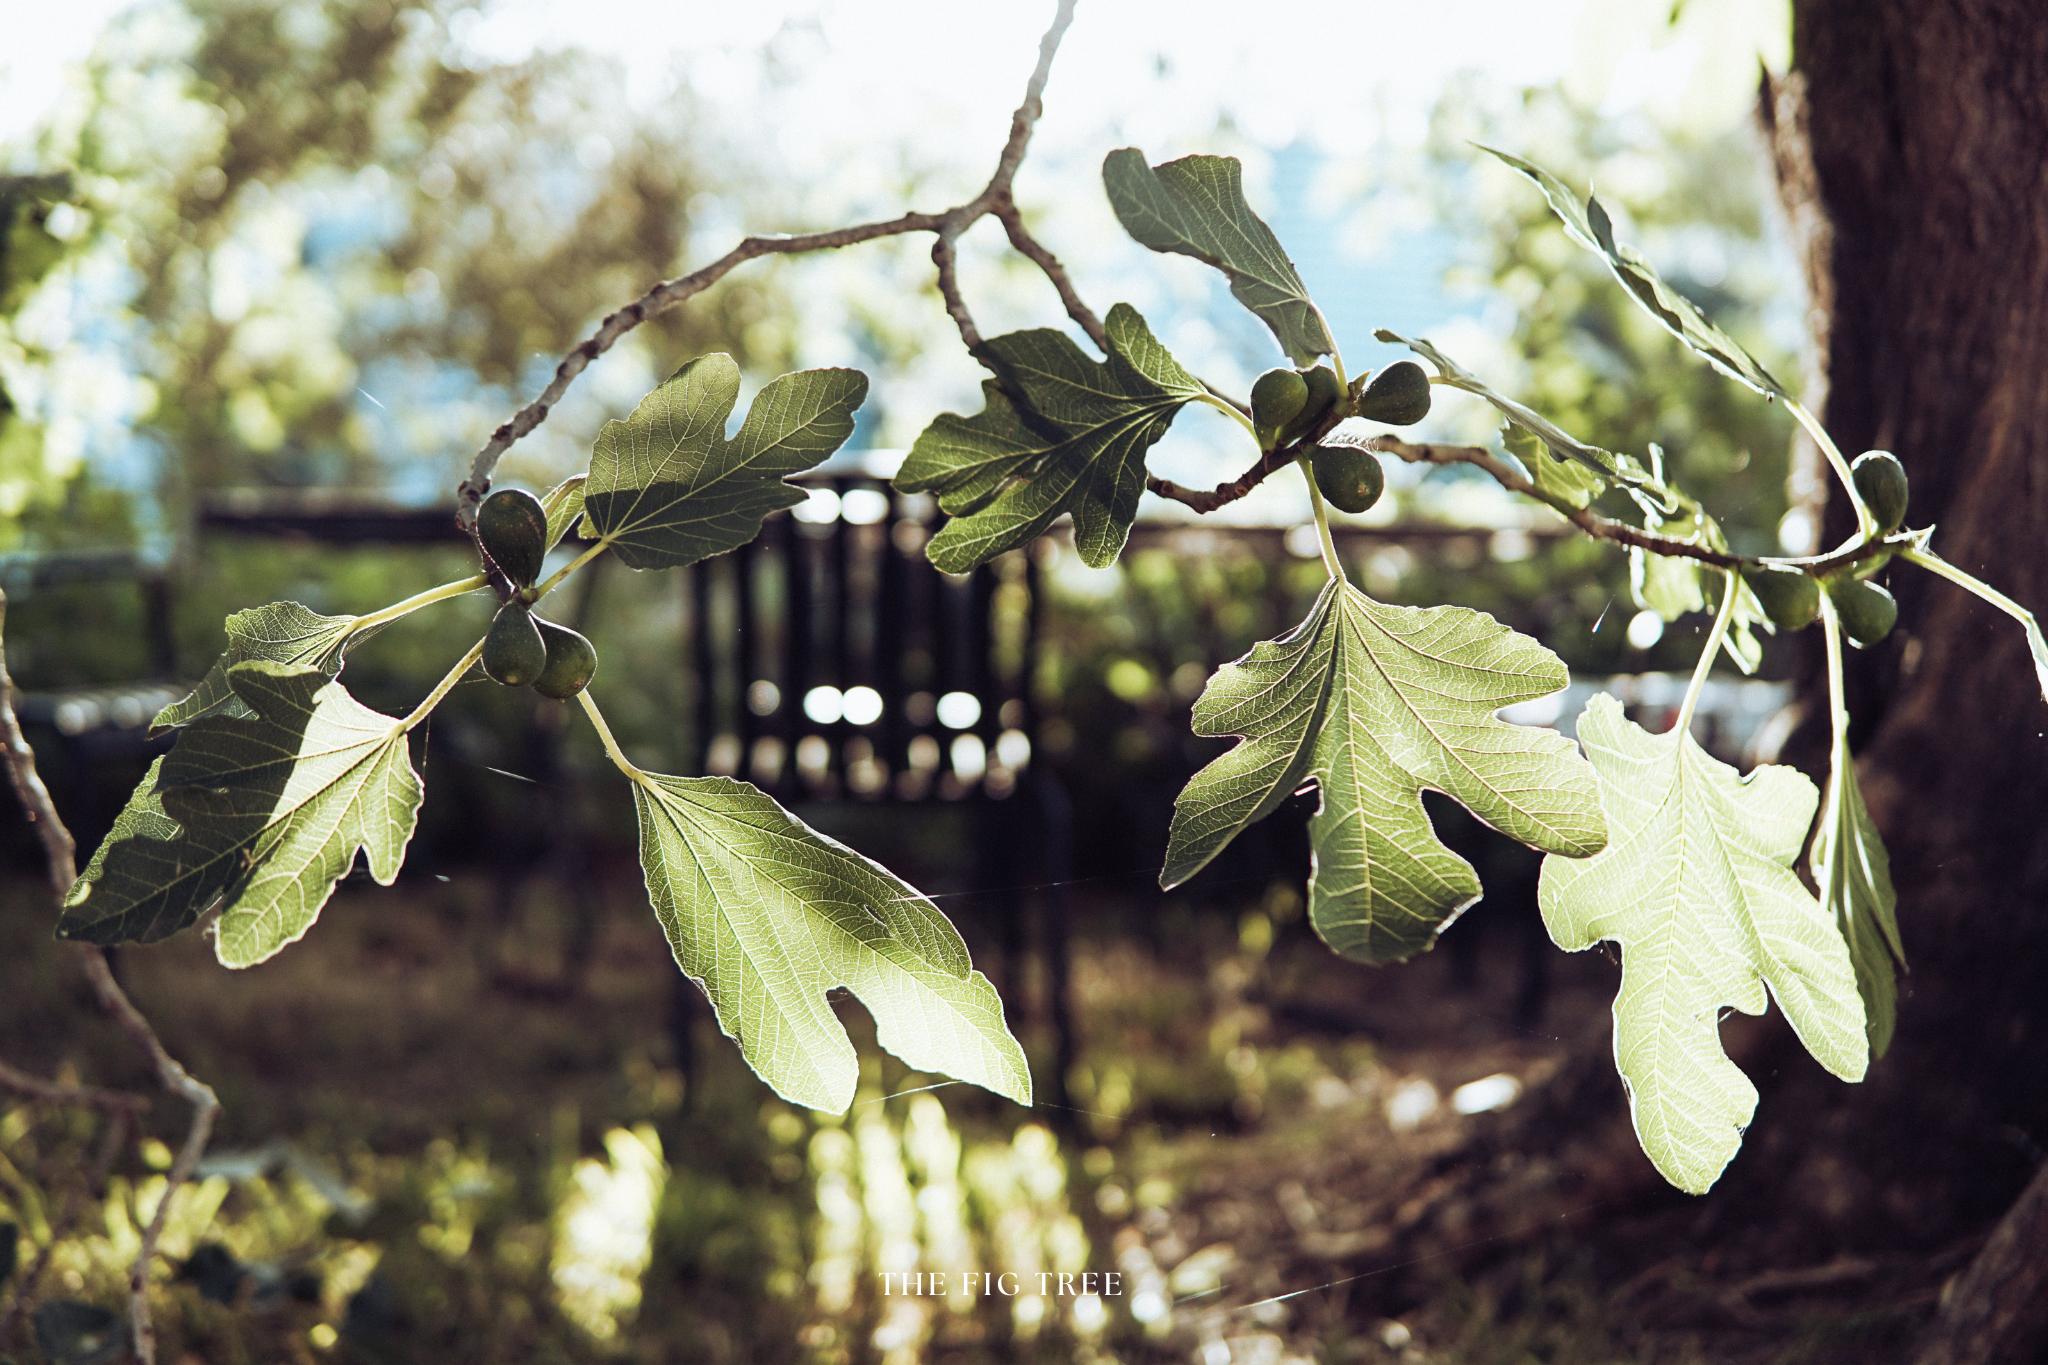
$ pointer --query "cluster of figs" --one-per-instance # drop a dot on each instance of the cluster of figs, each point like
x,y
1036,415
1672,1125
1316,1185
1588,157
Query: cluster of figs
x,y
1287,404
522,648
1791,598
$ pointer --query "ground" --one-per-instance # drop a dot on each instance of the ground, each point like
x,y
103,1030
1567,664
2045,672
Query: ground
x,y
431,1151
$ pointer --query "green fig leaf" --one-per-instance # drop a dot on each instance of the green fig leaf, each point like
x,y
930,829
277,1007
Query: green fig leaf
x,y
259,813
280,633
1854,875
1589,224
769,916
1196,207
667,487
1377,703
1697,887
564,505
1007,473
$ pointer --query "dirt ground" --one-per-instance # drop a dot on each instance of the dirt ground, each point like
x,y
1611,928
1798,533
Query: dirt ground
x,y
435,1149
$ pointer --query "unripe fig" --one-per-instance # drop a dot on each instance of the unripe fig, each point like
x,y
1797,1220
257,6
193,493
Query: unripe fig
x,y
1790,598
1278,397
1349,477
571,661
514,653
1323,393
512,528
1397,395
1881,481
1868,612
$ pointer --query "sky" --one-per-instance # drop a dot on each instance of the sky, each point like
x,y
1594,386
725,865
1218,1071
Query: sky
x,y
851,101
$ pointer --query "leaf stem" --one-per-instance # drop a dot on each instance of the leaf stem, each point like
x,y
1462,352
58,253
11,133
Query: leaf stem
x,y
1706,663
548,584
605,737
1838,756
442,688
1223,405
2031,624
1331,564
1865,522
458,588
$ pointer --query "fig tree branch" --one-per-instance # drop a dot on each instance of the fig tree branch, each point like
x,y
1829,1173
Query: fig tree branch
x,y
60,854
994,199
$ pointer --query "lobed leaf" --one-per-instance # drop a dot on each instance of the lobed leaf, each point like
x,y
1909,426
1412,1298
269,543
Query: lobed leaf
x,y
666,487
1697,887
769,916
1196,207
279,632
1375,704
1077,446
260,813
1589,223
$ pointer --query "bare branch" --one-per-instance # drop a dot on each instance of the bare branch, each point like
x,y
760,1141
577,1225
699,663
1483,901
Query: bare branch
x,y
40,1091
1028,246
1620,532
60,854
948,223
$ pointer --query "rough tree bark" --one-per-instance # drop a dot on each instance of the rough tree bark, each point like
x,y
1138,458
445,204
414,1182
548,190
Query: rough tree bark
x,y
1912,141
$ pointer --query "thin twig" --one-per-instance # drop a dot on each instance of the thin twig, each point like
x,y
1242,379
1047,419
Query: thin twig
x,y
1040,255
40,1091
60,855
949,223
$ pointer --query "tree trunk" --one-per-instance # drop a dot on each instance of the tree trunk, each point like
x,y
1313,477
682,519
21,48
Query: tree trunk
x,y
1912,140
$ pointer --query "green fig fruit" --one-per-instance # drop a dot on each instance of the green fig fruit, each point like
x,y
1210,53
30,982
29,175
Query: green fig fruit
x,y
514,653
1323,393
1397,395
1881,482
512,528
1790,598
1278,397
1349,477
1868,612
571,661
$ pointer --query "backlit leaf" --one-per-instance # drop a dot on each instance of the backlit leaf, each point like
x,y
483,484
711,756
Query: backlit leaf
x,y
1196,206
1697,887
563,506
1375,704
769,916
1589,224
1007,473
280,632
1854,875
259,813
667,487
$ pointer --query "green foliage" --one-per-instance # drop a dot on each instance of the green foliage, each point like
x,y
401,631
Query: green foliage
x,y
1697,887
1196,207
1059,433
261,813
1589,225
1854,875
667,487
768,915
1375,703
279,633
